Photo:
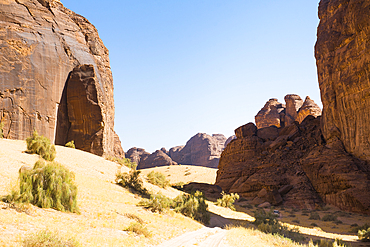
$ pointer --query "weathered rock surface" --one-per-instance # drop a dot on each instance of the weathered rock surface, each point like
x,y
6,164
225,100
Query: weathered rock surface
x,y
158,158
342,57
136,154
200,150
280,115
297,168
233,137
55,77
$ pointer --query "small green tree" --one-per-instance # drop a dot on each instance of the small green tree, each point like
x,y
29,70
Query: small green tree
x,y
227,200
40,145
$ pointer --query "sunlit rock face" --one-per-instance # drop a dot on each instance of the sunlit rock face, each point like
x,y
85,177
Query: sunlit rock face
x,y
342,54
55,77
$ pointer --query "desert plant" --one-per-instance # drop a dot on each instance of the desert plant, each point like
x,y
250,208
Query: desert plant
x,y
138,228
158,178
70,144
132,181
47,185
314,216
328,243
134,217
364,235
356,227
2,130
227,201
123,162
192,205
329,217
40,145
178,185
157,203
48,238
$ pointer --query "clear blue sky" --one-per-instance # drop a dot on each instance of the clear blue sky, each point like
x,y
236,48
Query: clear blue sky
x,y
186,66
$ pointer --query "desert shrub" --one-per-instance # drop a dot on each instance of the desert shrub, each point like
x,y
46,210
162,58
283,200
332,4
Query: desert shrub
x,y
267,222
364,235
356,227
70,144
192,205
157,203
48,238
132,181
328,243
178,185
40,145
139,229
123,162
314,224
1,130
227,201
134,217
158,178
314,216
187,173
47,185
329,217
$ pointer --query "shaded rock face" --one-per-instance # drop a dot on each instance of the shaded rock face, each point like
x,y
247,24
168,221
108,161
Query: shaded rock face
x,y
136,154
342,57
295,168
277,114
200,150
158,158
55,77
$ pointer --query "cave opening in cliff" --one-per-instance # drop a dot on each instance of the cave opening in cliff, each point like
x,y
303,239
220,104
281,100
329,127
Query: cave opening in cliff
x,y
63,125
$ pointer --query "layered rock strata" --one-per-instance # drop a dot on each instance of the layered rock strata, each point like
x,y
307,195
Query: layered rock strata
x,y
342,57
55,77
295,168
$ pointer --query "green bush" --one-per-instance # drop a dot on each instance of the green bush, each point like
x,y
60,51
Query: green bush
x,y
314,216
40,145
267,222
329,217
157,203
364,235
48,238
158,178
70,144
123,162
132,181
227,201
192,205
138,228
47,185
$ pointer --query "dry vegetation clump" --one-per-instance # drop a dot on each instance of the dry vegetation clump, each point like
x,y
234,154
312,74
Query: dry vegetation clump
x,y
328,243
47,185
157,203
314,216
227,200
139,229
40,145
158,178
70,144
122,161
48,238
132,181
134,217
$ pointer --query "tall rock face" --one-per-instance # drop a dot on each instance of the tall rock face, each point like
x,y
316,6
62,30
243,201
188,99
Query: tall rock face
x,y
55,77
200,150
279,115
342,57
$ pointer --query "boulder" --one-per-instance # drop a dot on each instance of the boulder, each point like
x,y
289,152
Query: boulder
x,y
293,103
137,154
309,108
273,113
55,77
249,129
268,133
156,159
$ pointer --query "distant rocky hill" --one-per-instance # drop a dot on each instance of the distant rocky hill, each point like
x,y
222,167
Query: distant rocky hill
x,y
200,150
55,77
299,160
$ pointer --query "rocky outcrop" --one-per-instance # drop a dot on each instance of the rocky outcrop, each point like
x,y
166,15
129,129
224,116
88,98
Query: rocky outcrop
x,y
156,159
295,168
342,57
136,154
230,139
55,77
277,114
200,150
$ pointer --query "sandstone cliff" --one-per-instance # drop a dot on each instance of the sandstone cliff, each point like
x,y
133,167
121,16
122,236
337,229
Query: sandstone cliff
x,y
342,57
277,114
55,77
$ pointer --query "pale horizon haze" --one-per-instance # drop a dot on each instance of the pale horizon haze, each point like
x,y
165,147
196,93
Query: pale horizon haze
x,y
184,67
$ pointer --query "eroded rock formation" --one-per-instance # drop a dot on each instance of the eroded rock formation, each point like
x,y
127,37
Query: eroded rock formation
x,y
55,77
136,154
277,114
200,150
156,159
342,57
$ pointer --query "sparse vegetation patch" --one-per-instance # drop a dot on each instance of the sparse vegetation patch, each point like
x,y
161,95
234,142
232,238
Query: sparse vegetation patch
x,y
123,162
158,178
70,144
132,181
157,203
139,229
48,238
40,145
227,200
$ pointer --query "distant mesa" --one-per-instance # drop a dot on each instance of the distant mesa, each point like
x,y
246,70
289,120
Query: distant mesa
x,y
55,77
201,150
